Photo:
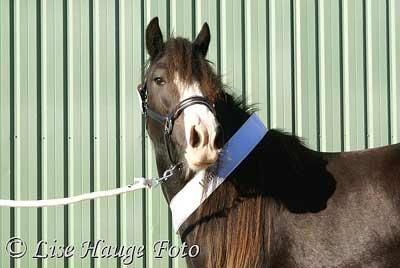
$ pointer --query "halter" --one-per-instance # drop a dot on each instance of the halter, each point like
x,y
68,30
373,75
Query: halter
x,y
169,120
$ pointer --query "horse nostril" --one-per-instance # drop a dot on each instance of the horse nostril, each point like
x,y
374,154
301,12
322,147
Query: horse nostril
x,y
219,138
194,138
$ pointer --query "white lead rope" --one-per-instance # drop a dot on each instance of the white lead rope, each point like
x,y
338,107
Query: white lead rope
x,y
140,183
193,194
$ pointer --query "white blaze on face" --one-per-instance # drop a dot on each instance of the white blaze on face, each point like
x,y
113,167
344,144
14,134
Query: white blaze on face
x,y
203,121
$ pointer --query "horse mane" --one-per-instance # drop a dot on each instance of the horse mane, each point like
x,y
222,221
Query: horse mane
x,y
237,221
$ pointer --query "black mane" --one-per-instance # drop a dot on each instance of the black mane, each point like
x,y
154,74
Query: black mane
x,y
281,166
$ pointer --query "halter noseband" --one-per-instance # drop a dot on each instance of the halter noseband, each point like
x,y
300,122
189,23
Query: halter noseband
x,y
169,120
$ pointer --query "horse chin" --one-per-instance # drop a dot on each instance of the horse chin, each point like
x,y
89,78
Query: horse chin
x,y
197,167
197,163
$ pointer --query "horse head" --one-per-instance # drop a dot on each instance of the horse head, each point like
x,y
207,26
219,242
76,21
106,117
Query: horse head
x,y
181,87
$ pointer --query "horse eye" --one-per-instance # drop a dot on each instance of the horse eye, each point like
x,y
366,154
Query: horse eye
x,y
159,81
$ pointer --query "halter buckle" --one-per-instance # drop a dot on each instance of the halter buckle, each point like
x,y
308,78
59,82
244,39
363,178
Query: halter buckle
x,y
169,124
143,97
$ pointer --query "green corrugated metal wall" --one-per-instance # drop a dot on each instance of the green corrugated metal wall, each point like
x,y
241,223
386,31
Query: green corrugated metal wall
x,y
70,123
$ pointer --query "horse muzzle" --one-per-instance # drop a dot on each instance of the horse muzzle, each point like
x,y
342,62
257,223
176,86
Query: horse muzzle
x,y
204,145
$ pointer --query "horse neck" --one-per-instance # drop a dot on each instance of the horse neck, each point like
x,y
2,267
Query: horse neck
x,y
279,174
279,167
240,224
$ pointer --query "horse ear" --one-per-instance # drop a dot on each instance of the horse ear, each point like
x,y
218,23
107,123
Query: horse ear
x,y
203,40
154,38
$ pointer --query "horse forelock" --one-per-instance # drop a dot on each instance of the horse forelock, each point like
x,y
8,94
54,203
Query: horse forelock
x,y
186,63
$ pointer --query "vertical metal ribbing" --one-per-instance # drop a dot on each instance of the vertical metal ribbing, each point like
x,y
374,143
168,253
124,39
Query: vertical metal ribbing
x,y
193,19
12,125
118,123
92,137
365,40
268,61
293,61
39,118
66,121
394,61
341,55
389,86
218,7
168,16
317,75
243,33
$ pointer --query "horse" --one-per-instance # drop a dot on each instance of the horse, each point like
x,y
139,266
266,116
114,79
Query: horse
x,y
285,205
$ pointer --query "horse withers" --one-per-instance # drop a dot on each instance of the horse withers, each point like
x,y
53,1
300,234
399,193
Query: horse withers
x,y
284,205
